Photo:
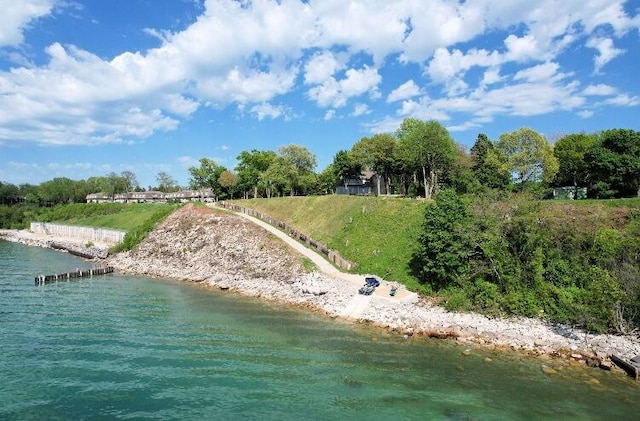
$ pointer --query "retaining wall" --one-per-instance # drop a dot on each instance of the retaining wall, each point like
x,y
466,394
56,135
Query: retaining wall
x,y
102,235
332,255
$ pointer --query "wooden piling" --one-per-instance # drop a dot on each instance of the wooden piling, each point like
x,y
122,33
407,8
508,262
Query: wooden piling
x,y
45,279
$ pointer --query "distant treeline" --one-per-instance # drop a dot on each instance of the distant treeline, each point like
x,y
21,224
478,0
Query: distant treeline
x,y
417,160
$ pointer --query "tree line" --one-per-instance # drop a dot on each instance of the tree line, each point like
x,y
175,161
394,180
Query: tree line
x,y
417,160
422,157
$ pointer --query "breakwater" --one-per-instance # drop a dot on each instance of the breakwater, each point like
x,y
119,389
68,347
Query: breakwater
x,y
102,235
332,255
45,279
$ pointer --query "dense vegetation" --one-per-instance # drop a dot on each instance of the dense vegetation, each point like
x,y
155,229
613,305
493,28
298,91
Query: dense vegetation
x,y
574,262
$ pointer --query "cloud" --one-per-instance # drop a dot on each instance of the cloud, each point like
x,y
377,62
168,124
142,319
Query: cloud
x,y
599,90
336,93
252,54
522,48
266,110
623,100
360,109
538,73
321,67
584,114
406,90
606,51
16,17
448,65
329,115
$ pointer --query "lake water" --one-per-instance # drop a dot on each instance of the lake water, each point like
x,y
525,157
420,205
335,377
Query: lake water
x,y
122,347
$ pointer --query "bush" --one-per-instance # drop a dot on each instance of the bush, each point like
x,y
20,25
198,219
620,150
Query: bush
x,y
443,250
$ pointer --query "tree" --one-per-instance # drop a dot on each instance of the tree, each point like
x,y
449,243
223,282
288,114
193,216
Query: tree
x,y
444,245
57,191
9,194
459,175
166,183
228,182
378,153
299,156
346,166
114,184
250,166
299,163
207,175
131,180
528,155
570,151
279,177
489,166
428,147
615,162
326,181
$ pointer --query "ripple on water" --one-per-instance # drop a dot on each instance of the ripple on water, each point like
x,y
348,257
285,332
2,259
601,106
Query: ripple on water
x,y
131,348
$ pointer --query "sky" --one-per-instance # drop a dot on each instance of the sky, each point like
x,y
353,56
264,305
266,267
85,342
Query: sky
x,y
91,87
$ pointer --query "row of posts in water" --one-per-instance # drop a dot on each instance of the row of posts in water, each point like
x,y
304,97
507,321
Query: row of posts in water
x,y
45,279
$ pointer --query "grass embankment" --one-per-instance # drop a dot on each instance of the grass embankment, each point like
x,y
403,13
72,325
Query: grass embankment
x,y
378,234
137,219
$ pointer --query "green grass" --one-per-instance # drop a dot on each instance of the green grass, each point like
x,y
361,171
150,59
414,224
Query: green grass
x,y
379,234
128,217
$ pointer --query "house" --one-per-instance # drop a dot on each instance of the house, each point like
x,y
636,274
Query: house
x,y
153,196
366,184
98,198
569,193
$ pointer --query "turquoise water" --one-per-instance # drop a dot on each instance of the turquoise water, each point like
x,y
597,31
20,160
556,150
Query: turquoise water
x,y
121,347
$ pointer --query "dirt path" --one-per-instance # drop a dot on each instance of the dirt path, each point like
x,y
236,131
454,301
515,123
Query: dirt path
x,y
327,268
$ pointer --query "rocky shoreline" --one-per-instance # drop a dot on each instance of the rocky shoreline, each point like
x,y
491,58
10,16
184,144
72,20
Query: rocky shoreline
x,y
81,248
228,252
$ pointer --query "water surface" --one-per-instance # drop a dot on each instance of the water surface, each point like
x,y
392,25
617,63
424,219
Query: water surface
x,y
122,347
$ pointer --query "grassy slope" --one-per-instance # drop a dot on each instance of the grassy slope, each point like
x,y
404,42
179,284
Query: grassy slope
x,y
127,218
379,234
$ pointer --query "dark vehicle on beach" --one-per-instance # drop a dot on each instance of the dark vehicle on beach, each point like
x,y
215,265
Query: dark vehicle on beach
x,y
370,284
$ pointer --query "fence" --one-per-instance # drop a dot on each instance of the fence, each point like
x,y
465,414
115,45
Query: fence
x,y
101,235
332,255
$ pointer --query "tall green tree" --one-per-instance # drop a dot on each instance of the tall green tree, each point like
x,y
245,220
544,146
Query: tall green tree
x,y
9,194
57,191
346,166
442,255
279,178
378,153
250,166
207,175
228,181
303,163
131,180
428,147
114,184
166,183
327,179
489,166
570,150
528,155
615,163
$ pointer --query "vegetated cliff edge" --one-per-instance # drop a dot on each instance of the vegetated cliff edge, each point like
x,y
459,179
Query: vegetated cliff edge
x,y
229,252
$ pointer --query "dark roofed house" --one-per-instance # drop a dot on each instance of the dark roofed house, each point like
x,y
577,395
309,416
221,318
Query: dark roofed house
x,y
363,185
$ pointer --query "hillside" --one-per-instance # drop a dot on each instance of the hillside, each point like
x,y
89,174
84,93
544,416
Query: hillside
x,y
377,233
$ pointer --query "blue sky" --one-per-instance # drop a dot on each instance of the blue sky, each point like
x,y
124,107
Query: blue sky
x,y
96,86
